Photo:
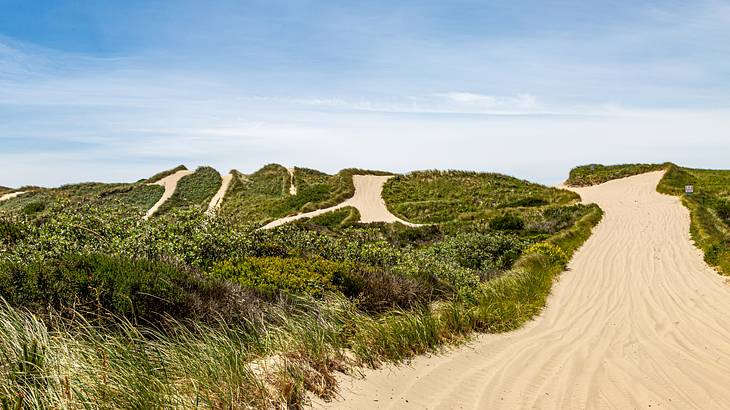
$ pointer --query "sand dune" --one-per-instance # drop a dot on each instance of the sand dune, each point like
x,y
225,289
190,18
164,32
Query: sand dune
x,y
638,321
368,200
217,199
170,184
292,187
10,196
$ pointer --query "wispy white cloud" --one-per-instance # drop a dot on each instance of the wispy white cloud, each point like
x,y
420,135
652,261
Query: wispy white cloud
x,y
652,89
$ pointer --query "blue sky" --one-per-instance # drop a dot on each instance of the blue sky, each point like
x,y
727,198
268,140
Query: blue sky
x,y
118,90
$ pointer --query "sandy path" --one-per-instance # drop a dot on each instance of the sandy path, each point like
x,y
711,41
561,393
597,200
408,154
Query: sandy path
x,y
10,196
638,321
292,187
368,200
217,199
170,184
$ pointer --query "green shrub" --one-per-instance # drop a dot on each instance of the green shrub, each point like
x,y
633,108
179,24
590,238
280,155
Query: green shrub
x,y
377,290
272,275
134,288
34,207
480,251
507,222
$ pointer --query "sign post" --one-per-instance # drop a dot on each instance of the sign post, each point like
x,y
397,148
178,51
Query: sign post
x,y
689,189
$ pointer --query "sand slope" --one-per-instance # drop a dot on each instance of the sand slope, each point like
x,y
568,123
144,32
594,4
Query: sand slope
x,y
292,187
170,184
10,196
217,199
368,200
639,320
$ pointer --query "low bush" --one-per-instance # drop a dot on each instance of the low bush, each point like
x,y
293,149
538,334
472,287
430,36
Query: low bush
x,y
34,207
271,275
480,251
138,289
507,222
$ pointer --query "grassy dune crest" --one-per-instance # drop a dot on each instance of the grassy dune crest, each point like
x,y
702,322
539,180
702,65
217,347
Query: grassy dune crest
x,y
587,175
444,196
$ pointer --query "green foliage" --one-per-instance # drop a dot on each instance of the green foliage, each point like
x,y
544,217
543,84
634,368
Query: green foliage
x,y
312,194
270,275
34,207
507,222
337,219
443,196
194,191
480,251
595,174
134,288
158,176
381,291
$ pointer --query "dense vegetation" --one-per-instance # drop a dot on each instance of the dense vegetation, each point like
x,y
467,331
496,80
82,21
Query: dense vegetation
x,y
102,309
135,197
709,206
443,196
595,174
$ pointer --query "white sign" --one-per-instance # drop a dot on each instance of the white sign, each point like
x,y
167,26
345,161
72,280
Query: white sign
x,y
689,189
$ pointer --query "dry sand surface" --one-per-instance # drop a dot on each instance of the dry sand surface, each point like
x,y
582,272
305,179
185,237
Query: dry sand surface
x,y
638,321
10,196
217,199
170,184
368,200
292,187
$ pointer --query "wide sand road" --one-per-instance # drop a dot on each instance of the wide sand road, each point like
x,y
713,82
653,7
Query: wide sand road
x,y
638,321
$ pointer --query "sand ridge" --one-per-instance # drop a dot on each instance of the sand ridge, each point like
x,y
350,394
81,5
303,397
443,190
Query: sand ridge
x,y
368,200
292,187
170,184
638,320
217,199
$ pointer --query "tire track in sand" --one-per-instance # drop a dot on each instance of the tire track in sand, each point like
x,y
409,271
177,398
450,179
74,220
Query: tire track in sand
x,y
638,320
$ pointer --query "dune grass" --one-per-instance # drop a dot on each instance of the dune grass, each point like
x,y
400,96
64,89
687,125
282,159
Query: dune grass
x,y
445,196
594,174
194,191
158,176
